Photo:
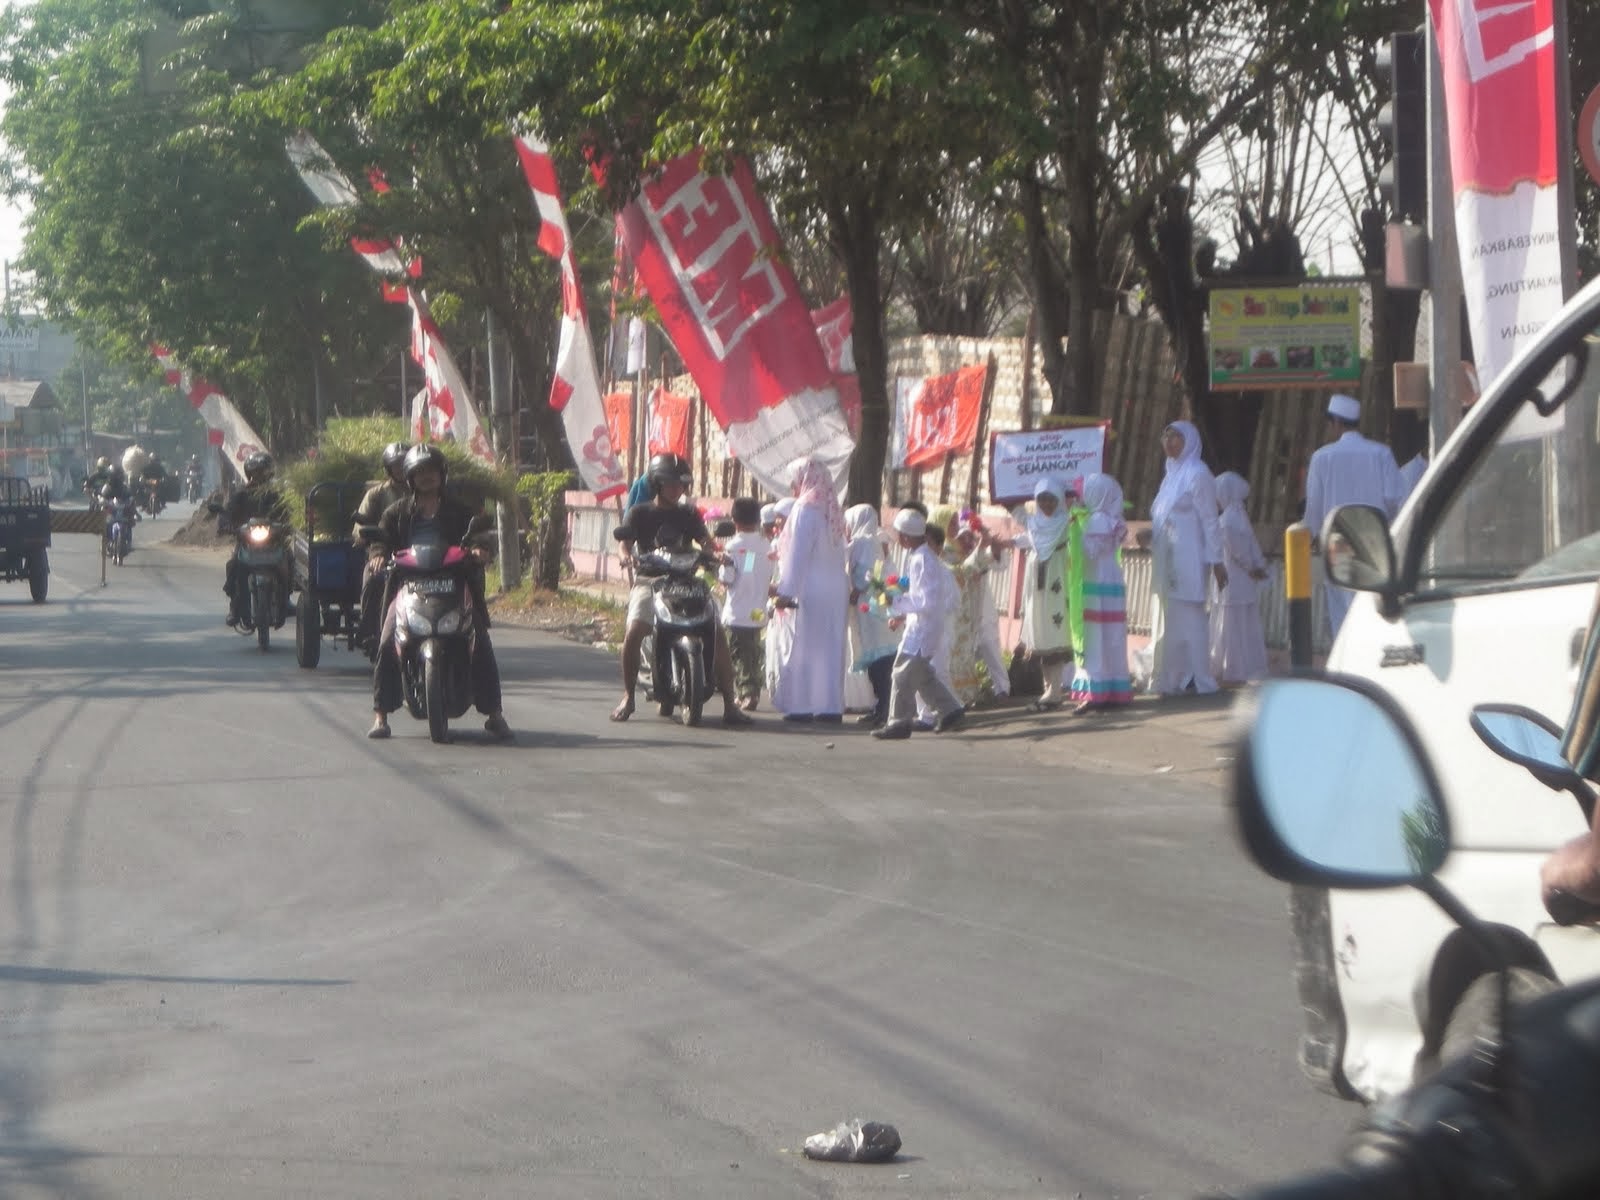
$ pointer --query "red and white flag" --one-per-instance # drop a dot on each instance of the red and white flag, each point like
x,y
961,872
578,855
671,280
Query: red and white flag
x,y
575,389
1499,70
450,408
709,256
227,425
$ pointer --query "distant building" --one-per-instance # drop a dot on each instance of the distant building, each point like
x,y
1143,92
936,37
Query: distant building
x,y
34,349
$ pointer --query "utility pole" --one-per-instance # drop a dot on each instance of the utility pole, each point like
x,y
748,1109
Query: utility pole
x,y
500,425
1444,264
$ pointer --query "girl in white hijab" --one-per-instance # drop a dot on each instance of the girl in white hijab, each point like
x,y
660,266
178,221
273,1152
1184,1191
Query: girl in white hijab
x,y
1045,630
872,644
1102,679
1186,553
1238,646
814,592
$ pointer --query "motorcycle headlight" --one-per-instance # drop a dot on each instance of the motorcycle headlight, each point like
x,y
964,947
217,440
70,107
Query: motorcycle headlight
x,y
450,622
418,623
258,534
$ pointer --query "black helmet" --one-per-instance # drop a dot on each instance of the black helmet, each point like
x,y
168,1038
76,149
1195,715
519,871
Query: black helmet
x,y
426,456
394,453
668,468
258,467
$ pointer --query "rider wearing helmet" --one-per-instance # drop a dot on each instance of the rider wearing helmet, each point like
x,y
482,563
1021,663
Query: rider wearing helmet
x,y
153,476
258,498
666,520
369,512
426,507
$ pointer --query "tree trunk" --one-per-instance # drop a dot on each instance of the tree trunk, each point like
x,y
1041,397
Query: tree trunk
x,y
1080,397
854,229
1049,291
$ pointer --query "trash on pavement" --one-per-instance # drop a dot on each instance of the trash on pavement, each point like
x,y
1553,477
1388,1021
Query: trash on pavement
x,y
855,1141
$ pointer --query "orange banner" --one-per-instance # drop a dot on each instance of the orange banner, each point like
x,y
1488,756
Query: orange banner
x,y
619,421
944,415
669,423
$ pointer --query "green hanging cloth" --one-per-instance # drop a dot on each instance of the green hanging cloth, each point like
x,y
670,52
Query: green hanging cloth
x,y
1075,566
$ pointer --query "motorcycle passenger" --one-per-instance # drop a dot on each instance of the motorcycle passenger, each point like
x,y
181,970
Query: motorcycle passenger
x,y
257,499
374,504
666,520
114,486
427,509
117,504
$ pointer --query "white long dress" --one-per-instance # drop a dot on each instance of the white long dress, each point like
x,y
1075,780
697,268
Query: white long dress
x,y
1186,541
1238,645
811,570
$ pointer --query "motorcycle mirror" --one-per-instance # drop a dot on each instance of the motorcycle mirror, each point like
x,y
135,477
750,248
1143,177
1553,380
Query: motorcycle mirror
x,y
1532,741
1332,788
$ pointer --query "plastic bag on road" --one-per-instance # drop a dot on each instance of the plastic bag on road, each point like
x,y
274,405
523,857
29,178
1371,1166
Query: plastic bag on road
x,y
855,1141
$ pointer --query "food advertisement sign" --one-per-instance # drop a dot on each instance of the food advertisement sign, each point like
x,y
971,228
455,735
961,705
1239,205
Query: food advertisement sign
x,y
1285,337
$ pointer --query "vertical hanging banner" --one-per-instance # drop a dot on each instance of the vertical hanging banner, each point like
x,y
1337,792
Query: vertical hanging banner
x,y
1499,70
225,424
451,412
668,431
709,256
575,389
942,415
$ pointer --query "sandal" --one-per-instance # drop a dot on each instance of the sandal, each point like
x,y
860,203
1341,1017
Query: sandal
x,y
622,711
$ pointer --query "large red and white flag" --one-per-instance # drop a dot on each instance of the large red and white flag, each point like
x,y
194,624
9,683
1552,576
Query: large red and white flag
x,y
227,425
1499,70
575,389
450,407
709,256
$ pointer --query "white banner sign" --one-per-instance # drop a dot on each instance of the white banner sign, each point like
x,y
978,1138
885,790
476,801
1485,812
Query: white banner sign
x,y
19,339
1017,461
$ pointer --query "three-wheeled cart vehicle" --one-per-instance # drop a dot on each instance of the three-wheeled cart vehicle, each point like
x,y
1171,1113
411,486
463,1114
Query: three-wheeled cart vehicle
x,y
25,535
331,563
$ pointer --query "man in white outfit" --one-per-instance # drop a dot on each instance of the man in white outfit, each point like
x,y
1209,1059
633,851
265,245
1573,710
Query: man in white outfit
x,y
923,609
1351,469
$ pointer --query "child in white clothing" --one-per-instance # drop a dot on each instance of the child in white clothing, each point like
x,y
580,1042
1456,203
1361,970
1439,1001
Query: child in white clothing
x,y
748,579
1238,645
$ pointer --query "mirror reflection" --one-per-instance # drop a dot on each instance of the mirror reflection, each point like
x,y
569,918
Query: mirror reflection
x,y
1520,738
1342,786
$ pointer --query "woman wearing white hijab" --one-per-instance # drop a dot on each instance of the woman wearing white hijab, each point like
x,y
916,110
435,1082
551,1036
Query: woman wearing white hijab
x,y
1101,679
1045,629
1186,552
872,645
1238,645
815,593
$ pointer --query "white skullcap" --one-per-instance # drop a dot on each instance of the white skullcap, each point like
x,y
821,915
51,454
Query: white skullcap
x,y
910,522
769,513
785,506
1346,408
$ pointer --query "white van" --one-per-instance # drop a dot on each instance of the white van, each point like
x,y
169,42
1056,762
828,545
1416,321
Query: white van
x,y
1483,595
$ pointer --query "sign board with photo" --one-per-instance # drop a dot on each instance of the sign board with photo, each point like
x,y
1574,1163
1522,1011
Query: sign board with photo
x,y
1277,337
1017,461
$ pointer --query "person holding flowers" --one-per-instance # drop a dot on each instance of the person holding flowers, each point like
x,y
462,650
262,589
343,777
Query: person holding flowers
x,y
1046,634
872,644
975,628
1102,678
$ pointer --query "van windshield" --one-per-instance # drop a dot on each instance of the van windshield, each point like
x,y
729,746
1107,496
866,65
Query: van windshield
x,y
1529,510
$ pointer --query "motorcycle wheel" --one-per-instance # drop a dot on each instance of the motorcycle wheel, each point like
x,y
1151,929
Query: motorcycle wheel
x,y
433,690
38,576
694,684
261,611
307,632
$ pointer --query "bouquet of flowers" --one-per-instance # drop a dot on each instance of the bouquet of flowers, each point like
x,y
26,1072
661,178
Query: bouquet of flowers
x,y
882,589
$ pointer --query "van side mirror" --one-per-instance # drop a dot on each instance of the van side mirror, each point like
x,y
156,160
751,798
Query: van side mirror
x,y
1357,548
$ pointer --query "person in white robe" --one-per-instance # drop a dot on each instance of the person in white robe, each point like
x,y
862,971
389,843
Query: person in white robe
x,y
1046,633
1350,469
924,609
1186,553
780,621
814,593
1238,645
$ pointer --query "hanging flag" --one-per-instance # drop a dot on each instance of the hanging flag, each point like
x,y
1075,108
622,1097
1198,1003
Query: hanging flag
x,y
619,418
419,416
575,389
669,423
709,256
636,346
942,415
226,426
451,411
835,325
1499,71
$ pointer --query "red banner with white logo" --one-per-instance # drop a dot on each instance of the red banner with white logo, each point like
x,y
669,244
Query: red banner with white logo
x,y
709,256
1499,71
669,423
619,419
942,415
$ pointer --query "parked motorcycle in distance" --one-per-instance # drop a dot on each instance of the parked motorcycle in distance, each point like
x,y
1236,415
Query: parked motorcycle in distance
x,y
434,630
120,518
1332,788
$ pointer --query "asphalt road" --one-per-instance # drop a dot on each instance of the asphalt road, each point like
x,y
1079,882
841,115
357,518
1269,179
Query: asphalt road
x,y
250,953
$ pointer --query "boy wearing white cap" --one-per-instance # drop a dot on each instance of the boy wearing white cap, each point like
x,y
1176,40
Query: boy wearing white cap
x,y
1350,469
924,608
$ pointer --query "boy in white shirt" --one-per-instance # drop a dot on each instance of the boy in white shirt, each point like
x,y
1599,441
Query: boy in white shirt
x,y
748,578
924,608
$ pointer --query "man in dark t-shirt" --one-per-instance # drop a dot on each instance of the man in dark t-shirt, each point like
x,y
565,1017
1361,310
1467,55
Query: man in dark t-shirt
x,y
666,521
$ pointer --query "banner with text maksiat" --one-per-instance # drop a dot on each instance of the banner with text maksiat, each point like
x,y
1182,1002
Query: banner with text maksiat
x,y
708,254
1017,461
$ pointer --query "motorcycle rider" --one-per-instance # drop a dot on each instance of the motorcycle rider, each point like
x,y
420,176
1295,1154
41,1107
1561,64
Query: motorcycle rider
x,y
191,474
257,499
117,504
426,507
96,479
154,477
374,504
665,520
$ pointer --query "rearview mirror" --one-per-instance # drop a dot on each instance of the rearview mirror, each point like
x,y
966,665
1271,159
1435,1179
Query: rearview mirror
x,y
1533,742
1357,548
1332,788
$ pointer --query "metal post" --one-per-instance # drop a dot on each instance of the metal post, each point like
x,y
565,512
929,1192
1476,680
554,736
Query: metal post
x,y
83,378
1297,589
1444,265
506,451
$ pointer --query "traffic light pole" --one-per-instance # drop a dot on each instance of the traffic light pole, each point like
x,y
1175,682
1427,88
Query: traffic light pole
x,y
1444,265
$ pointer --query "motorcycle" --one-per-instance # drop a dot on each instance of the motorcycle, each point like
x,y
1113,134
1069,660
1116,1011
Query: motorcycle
x,y
92,491
1333,789
683,649
191,486
434,630
264,552
150,499
120,518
